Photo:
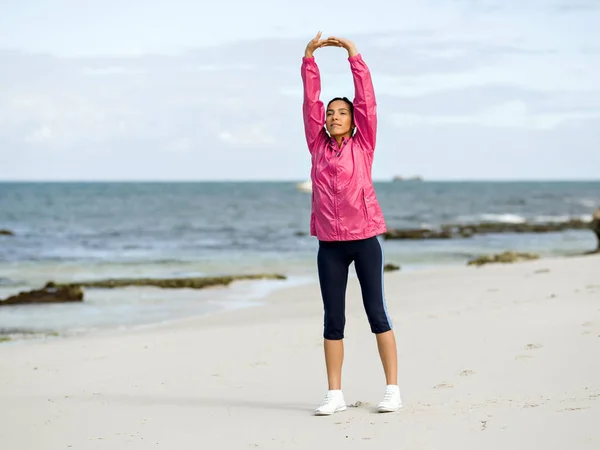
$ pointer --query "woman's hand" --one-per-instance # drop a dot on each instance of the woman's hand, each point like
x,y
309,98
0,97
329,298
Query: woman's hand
x,y
316,43
344,43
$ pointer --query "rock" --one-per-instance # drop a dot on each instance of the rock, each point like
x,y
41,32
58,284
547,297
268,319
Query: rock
x,y
50,293
505,257
389,267
526,227
595,226
173,283
450,231
417,233
70,292
6,233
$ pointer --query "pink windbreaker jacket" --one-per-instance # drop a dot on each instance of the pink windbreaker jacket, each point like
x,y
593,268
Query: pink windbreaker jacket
x,y
344,204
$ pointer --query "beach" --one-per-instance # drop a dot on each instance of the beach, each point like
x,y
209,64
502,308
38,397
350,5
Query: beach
x,y
495,357
181,188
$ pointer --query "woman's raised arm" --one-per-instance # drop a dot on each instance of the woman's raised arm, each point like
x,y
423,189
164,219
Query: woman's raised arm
x,y
365,104
313,111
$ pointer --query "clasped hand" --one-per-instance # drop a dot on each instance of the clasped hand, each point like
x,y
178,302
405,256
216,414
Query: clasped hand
x,y
331,41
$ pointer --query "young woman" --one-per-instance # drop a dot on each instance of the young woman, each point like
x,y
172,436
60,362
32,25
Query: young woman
x,y
346,217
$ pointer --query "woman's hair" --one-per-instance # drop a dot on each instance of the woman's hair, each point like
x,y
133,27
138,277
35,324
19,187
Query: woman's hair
x,y
347,101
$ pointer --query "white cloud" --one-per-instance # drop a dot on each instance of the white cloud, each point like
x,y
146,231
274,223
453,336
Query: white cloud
x,y
248,135
41,135
100,71
513,114
534,73
181,145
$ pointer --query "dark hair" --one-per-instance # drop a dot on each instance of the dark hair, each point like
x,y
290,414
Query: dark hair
x,y
346,100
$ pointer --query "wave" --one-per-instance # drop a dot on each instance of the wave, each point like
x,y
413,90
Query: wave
x,y
515,218
586,202
9,282
497,218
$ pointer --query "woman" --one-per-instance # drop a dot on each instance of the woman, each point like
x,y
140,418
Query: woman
x,y
346,217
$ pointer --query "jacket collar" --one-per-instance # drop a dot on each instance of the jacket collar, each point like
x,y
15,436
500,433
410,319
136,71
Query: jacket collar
x,y
333,144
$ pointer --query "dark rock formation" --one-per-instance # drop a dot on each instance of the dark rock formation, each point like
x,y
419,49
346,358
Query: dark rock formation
x,y
449,231
6,233
416,233
173,283
70,292
505,257
595,226
50,293
389,267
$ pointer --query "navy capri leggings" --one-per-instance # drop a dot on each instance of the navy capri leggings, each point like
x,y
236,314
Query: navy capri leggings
x,y
333,262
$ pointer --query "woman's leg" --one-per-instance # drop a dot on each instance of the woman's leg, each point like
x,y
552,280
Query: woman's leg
x,y
369,261
332,264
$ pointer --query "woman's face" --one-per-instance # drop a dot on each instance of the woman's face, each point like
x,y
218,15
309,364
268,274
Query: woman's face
x,y
339,119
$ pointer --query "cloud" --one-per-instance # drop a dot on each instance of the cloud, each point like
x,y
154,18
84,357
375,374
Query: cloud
x,y
577,7
253,135
532,73
513,114
41,135
107,71
449,80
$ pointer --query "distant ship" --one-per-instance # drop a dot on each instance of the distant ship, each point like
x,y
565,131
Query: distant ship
x,y
305,186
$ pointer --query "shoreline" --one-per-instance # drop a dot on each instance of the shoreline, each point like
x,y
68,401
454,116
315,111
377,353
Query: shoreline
x,y
240,294
244,291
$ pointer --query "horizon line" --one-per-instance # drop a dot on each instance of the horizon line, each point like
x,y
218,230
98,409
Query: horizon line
x,y
294,180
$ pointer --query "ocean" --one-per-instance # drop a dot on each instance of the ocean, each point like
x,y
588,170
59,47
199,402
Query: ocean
x,y
82,231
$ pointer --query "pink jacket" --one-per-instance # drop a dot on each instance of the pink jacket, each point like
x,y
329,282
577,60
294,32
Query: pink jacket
x,y
344,204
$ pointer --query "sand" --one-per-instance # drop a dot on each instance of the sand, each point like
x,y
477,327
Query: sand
x,y
497,357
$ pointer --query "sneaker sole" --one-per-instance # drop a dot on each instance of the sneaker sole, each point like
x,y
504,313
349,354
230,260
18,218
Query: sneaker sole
x,y
389,410
322,413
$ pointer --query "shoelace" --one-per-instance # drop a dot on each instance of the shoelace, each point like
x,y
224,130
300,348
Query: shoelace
x,y
328,398
388,395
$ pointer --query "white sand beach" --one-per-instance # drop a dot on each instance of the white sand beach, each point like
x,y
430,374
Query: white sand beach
x,y
497,357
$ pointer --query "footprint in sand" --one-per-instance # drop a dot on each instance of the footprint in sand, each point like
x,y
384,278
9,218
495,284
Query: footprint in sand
x,y
359,404
530,405
587,325
533,346
443,386
466,373
523,357
573,409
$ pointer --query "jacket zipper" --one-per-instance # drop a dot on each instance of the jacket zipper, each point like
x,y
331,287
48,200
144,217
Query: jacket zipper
x,y
335,198
338,152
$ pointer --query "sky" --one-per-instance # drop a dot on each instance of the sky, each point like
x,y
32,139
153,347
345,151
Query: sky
x,y
183,90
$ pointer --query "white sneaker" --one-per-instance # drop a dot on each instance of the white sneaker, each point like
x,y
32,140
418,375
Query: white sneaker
x,y
391,400
333,402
